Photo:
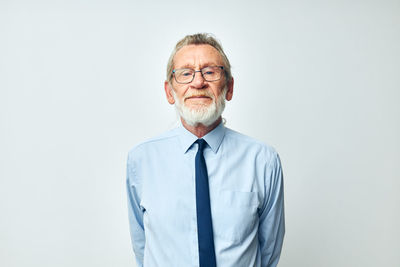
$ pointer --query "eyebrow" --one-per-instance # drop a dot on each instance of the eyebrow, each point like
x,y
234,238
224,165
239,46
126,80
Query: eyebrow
x,y
190,66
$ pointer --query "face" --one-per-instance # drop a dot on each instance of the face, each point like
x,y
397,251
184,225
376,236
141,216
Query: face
x,y
199,101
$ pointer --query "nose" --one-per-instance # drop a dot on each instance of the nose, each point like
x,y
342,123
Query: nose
x,y
198,80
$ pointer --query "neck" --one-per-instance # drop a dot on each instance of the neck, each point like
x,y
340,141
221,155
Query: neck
x,y
201,130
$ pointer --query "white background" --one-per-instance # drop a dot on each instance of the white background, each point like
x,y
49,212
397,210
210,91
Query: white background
x,y
81,82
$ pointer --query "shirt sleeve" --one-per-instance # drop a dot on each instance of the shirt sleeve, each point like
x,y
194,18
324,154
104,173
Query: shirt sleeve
x,y
272,219
135,212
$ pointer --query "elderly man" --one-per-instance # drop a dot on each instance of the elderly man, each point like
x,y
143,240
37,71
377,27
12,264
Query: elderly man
x,y
202,194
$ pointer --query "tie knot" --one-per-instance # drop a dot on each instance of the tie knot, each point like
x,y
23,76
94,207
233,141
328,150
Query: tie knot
x,y
202,144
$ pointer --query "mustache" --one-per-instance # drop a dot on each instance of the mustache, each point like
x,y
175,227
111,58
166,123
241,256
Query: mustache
x,y
199,94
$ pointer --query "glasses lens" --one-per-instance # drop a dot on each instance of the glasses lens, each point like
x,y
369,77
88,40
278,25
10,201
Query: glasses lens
x,y
184,75
211,73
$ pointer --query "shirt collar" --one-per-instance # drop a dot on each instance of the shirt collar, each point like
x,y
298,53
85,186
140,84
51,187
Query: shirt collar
x,y
213,138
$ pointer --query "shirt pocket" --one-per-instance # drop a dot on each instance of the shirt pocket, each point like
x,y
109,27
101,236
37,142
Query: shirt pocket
x,y
235,216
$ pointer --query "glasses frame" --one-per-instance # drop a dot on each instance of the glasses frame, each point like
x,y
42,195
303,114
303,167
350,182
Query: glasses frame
x,y
194,73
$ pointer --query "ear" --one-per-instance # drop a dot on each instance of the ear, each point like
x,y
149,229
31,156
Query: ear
x,y
168,92
229,93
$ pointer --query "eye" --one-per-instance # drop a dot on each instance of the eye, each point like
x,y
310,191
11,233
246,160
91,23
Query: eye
x,y
208,71
186,73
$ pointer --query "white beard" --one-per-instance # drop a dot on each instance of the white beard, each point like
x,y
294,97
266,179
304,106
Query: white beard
x,y
205,115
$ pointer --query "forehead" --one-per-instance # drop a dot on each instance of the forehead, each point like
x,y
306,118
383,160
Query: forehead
x,y
197,56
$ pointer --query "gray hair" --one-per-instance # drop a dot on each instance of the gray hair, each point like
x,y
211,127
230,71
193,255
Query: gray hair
x,y
199,39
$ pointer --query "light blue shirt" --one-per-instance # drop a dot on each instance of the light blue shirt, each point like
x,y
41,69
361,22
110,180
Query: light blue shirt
x,y
246,197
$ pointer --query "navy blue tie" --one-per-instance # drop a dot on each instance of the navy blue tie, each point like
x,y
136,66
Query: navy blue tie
x,y
204,221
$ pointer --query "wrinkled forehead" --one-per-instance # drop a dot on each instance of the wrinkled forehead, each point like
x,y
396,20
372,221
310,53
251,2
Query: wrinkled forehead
x,y
197,56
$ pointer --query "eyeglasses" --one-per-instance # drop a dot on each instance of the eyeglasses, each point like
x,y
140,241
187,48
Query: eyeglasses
x,y
210,74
